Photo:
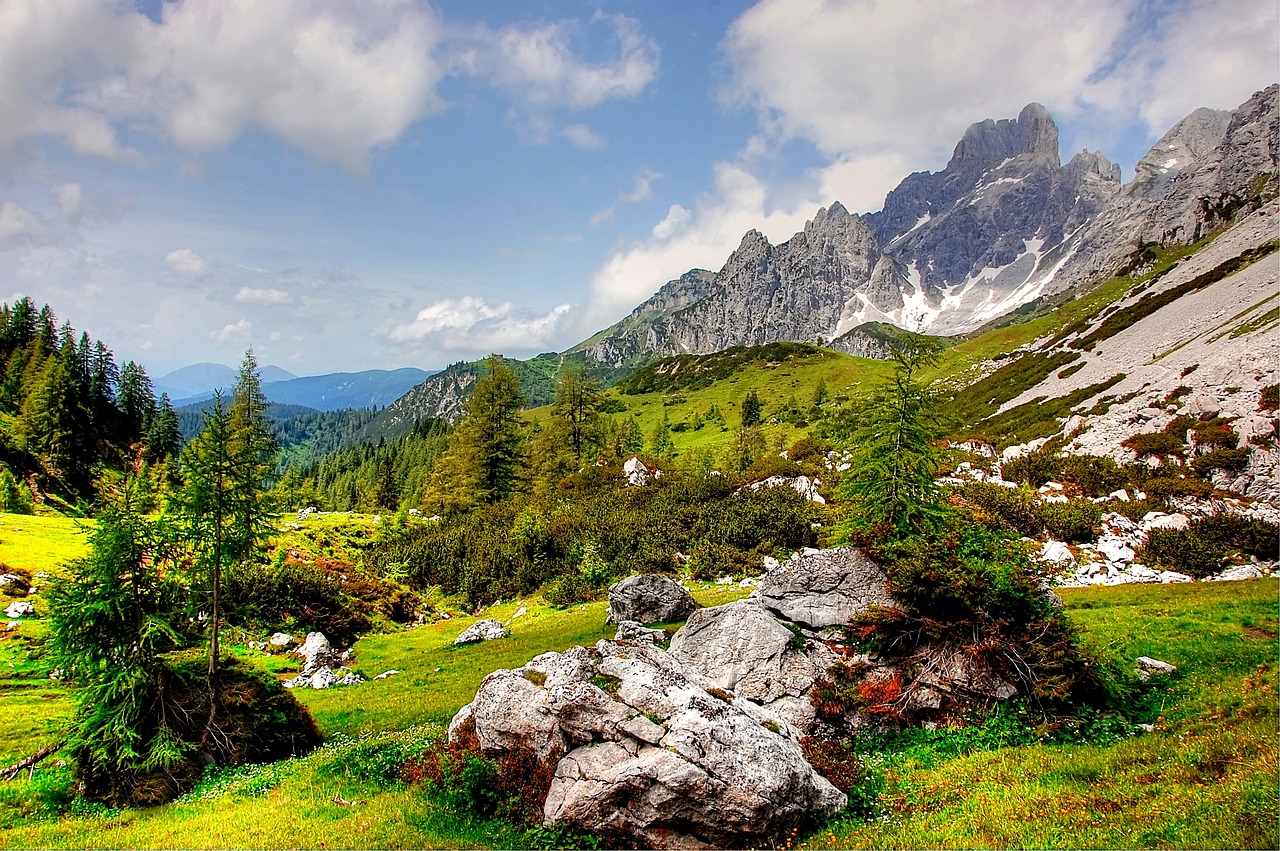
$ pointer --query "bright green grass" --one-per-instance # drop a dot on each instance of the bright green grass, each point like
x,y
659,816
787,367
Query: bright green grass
x,y
42,542
1207,778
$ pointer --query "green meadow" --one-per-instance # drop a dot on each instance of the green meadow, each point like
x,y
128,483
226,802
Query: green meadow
x,y
1205,776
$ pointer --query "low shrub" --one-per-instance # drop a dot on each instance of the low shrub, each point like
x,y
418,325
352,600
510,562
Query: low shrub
x,y
1016,509
1155,443
1034,468
1094,475
1215,433
1232,460
1201,548
1164,486
1075,521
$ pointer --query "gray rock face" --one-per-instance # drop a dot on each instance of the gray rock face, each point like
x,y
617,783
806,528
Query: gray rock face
x,y
316,653
824,588
649,598
657,761
633,631
743,649
485,630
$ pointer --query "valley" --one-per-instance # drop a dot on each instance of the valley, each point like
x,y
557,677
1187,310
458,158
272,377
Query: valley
x,y
949,525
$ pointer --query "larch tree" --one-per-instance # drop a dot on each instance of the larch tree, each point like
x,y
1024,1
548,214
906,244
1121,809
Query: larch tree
x,y
491,436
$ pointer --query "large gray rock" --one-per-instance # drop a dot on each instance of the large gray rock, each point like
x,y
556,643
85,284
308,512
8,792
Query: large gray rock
x,y
649,598
743,649
316,653
658,758
485,630
824,588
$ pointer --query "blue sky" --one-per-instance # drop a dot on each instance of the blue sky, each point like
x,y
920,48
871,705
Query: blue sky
x,y
350,185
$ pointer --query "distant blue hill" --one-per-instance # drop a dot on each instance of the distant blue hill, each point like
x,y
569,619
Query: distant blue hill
x,y
199,380
333,392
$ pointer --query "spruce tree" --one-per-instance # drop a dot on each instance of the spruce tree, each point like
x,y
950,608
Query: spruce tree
x,y
253,450
752,408
895,457
164,438
577,410
490,438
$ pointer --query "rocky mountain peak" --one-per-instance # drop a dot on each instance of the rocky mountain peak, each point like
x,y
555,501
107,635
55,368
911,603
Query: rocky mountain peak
x,y
1187,142
988,143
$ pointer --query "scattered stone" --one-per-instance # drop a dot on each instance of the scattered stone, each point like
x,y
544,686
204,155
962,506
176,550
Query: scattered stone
x,y
1239,573
19,609
316,653
1148,668
485,630
636,472
1058,554
386,674
819,588
280,639
649,598
633,631
1115,550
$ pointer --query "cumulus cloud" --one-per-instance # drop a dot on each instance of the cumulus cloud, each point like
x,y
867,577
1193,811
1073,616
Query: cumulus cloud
x,y
539,69
237,332
16,223
186,262
336,79
882,88
641,190
582,136
262,295
470,324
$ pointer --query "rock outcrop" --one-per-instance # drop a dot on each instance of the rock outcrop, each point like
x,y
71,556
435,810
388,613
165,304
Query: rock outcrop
x,y
649,598
821,588
659,757
483,630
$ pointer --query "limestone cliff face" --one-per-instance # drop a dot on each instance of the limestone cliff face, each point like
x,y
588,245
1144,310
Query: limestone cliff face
x,y
1210,168
1004,223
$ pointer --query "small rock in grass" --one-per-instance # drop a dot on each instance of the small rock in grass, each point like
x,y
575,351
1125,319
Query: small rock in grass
x,y
1148,668
485,630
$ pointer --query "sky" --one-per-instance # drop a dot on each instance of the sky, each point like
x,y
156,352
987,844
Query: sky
x,y
371,184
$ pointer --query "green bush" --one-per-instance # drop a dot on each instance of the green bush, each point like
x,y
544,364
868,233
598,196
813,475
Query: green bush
x,y
1155,443
1200,549
1075,521
1094,475
1016,509
1170,484
1232,460
1034,469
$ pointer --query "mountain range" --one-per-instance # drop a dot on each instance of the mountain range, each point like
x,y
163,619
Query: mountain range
x,y
374,388
1005,224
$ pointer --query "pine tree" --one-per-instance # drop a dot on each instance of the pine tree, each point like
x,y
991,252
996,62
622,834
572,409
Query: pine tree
x,y
253,449
895,458
577,410
660,440
490,438
164,438
751,409
111,619
135,400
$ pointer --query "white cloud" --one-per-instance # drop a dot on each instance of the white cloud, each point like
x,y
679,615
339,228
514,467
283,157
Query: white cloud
x,y
582,136
470,324
16,223
1211,53
887,75
262,295
538,68
677,217
237,331
70,198
641,190
884,87
336,79
186,262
